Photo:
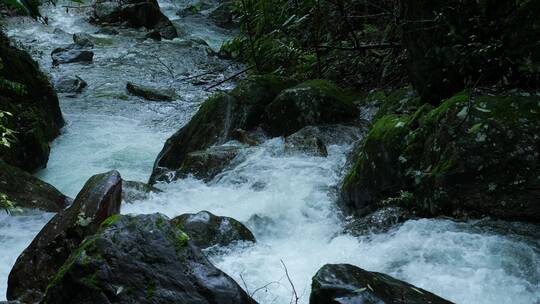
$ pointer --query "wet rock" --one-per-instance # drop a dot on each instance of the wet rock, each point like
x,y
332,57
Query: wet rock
x,y
154,35
314,140
216,120
313,102
107,31
134,13
27,191
206,164
134,191
149,93
70,84
344,283
83,40
206,229
380,221
142,259
309,145
40,261
473,156
71,54
37,118
223,14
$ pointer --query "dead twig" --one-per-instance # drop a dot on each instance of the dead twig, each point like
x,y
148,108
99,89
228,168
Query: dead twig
x,y
230,78
296,298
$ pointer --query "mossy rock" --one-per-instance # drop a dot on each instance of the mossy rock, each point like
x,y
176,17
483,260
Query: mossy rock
x,y
216,121
402,101
313,102
37,118
141,259
471,156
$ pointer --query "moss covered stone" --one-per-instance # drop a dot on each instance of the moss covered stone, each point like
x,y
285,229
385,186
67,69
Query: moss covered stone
x,y
474,155
310,103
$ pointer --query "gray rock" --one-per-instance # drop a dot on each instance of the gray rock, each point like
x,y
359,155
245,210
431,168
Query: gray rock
x,y
223,14
380,221
149,93
135,191
83,40
142,259
36,266
70,84
206,164
27,191
314,140
71,54
206,229
107,31
344,283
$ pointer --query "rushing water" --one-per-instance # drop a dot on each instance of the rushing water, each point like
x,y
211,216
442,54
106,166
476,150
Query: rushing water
x,y
286,199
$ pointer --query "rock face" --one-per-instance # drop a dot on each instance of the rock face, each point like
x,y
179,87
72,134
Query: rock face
x,y
310,103
26,191
150,93
36,114
70,84
474,155
39,262
217,119
343,283
71,54
206,229
141,259
134,13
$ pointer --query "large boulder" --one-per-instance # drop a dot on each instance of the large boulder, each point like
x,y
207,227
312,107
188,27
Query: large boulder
x,y
344,283
217,120
135,13
71,54
206,164
27,94
206,229
474,155
313,102
27,191
40,261
141,259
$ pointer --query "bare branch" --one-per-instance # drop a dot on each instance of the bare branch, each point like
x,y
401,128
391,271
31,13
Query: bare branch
x,y
296,298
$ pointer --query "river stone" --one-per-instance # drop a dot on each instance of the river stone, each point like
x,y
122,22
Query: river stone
x,y
71,54
141,259
206,229
83,40
135,191
313,102
380,221
70,84
37,118
206,164
134,13
344,283
306,144
217,119
36,266
149,93
107,31
471,157
27,191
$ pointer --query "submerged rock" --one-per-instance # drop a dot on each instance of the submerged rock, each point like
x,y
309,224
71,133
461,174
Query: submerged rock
x,y
83,40
37,118
149,93
217,119
27,191
135,191
141,259
472,156
134,13
380,221
313,102
70,84
40,261
107,31
71,54
206,164
206,229
344,283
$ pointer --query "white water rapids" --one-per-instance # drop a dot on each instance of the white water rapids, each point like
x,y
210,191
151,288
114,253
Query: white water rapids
x,y
287,200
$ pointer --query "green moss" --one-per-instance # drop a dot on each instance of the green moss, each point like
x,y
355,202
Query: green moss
x,y
330,89
111,220
402,101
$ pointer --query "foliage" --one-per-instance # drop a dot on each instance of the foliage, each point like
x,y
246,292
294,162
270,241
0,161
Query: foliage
x,y
319,39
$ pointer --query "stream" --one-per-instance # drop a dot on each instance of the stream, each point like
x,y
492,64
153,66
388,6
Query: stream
x,y
286,199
